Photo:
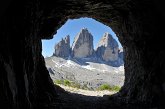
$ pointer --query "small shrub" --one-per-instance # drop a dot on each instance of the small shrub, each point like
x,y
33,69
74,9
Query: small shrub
x,y
108,87
78,86
67,83
116,88
58,81
104,87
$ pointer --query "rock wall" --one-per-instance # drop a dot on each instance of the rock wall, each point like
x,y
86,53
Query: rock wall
x,y
83,44
107,48
62,49
24,80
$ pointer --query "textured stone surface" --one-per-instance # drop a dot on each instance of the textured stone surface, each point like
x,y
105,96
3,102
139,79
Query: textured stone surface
x,y
121,54
107,48
83,44
24,79
62,49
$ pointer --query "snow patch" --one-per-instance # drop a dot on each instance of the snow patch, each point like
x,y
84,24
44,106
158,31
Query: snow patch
x,y
70,63
92,66
57,64
88,67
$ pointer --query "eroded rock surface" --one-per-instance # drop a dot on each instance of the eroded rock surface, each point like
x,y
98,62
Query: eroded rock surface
x,y
62,49
108,48
83,44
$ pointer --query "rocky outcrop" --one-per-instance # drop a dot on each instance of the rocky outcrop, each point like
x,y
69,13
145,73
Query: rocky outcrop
x,y
83,44
62,49
107,48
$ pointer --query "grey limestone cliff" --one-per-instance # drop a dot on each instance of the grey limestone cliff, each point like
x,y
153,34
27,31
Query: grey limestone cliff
x,y
83,44
62,49
107,48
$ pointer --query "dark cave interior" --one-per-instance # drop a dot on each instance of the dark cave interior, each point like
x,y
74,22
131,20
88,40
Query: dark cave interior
x,y
24,79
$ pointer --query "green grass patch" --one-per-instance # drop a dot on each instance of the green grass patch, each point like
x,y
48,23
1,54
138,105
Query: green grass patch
x,y
78,86
104,87
67,83
116,88
58,81
108,87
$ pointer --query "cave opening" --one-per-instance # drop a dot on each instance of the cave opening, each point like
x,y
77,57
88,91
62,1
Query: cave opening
x,y
85,57
24,80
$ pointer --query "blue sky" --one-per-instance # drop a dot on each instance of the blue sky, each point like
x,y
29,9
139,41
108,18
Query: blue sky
x,y
72,28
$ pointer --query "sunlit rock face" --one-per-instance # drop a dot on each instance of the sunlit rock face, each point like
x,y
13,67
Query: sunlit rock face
x,y
83,44
82,47
62,48
108,48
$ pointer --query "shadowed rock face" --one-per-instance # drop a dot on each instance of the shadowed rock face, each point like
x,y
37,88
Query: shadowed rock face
x,y
62,49
24,79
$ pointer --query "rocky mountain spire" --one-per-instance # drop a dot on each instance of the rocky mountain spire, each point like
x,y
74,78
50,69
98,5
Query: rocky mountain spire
x,y
107,48
62,49
83,44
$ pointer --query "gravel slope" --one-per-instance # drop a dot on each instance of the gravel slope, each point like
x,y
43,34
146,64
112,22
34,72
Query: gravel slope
x,y
89,73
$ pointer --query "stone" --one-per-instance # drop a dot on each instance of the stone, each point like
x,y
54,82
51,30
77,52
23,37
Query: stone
x,y
62,49
83,44
107,48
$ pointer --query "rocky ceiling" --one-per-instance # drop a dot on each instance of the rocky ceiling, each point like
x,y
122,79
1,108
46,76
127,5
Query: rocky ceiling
x,y
24,79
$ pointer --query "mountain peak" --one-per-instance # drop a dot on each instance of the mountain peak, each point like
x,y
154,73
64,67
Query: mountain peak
x,y
106,34
83,44
82,47
107,48
84,31
108,41
84,28
62,49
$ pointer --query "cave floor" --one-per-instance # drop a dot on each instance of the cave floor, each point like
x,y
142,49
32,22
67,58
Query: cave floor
x,y
77,101
67,100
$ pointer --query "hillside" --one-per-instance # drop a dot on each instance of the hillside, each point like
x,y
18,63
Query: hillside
x,y
89,72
